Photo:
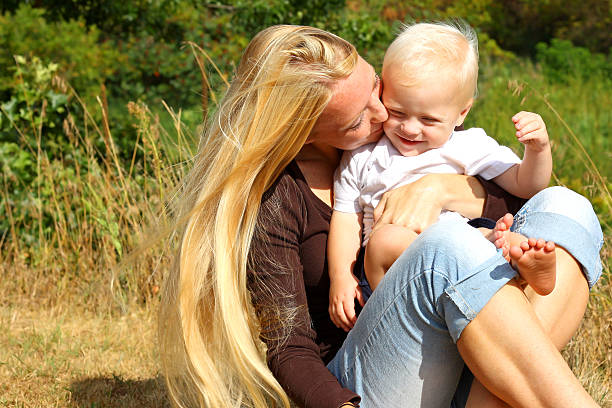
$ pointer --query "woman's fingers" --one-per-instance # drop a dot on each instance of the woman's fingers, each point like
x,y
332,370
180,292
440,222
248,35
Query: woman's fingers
x,y
414,206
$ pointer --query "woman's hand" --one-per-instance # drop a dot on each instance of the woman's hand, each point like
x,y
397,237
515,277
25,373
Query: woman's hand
x,y
417,205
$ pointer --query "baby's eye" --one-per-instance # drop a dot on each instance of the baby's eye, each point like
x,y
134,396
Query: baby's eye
x,y
394,112
428,119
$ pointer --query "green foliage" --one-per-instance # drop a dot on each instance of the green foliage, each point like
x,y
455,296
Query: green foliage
x,y
81,58
116,19
589,24
579,107
32,129
252,16
370,36
562,61
519,25
355,24
34,107
139,52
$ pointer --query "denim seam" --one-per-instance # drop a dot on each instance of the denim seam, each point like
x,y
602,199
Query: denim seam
x,y
520,218
467,308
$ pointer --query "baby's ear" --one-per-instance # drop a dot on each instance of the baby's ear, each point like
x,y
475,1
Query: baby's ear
x,y
464,112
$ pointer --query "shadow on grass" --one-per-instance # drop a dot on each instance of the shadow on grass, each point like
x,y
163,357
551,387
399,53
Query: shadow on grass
x,y
116,392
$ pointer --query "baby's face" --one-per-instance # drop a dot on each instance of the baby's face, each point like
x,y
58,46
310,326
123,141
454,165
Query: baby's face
x,y
421,117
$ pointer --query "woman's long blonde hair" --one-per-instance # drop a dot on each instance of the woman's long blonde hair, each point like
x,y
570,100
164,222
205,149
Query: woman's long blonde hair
x,y
212,355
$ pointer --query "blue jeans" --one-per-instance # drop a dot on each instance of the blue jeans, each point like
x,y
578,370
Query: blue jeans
x,y
402,352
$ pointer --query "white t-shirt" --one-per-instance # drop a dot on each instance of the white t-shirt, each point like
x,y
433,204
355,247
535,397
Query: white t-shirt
x,y
366,173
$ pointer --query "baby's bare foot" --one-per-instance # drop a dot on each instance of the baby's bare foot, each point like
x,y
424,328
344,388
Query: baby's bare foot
x,y
500,235
536,261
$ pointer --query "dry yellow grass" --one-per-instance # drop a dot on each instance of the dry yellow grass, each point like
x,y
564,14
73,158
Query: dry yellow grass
x,y
64,357
69,357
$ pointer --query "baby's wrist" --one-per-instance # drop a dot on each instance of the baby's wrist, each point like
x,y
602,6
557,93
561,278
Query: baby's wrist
x,y
338,275
538,147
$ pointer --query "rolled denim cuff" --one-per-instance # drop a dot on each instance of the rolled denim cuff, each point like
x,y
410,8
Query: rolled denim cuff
x,y
463,300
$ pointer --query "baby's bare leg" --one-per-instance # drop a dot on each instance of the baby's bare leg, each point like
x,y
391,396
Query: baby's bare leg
x,y
385,245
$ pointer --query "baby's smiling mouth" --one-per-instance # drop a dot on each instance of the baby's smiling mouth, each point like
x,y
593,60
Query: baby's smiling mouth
x,y
408,142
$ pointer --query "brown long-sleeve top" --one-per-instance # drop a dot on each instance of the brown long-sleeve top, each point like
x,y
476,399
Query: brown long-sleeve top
x,y
289,285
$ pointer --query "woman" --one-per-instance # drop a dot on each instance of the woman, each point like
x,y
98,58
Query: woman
x,y
244,314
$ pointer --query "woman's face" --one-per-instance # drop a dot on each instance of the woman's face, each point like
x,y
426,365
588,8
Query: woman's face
x,y
354,114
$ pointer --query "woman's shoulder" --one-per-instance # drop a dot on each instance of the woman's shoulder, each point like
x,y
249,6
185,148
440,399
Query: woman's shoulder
x,y
286,184
291,203
283,203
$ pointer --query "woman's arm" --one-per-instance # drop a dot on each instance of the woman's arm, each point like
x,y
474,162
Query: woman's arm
x,y
417,205
279,295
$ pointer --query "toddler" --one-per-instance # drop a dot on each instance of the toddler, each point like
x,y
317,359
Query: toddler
x,y
429,75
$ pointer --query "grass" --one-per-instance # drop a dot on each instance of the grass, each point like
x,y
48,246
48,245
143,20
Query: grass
x,y
76,331
60,357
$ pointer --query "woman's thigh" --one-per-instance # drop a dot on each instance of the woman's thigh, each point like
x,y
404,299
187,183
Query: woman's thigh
x,y
402,352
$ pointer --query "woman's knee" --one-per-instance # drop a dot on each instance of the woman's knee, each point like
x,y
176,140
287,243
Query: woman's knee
x,y
563,201
567,218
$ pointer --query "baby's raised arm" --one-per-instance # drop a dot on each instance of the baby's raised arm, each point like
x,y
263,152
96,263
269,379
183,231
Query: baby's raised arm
x,y
343,246
533,174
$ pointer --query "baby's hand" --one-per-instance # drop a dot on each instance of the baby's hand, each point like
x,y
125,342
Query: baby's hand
x,y
342,293
531,131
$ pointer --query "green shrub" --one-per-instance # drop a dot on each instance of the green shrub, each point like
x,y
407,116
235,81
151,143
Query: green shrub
x,y
561,61
252,16
116,19
34,108
32,130
519,25
81,58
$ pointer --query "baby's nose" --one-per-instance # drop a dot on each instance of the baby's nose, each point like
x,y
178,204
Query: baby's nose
x,y
410,127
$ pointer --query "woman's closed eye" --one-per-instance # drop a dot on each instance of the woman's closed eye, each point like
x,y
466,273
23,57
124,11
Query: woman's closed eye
x,y
358,124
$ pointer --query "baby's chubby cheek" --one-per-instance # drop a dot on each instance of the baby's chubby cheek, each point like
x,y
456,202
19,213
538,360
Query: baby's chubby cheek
x,y
389,125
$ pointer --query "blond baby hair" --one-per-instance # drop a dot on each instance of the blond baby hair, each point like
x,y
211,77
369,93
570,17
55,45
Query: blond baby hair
x,y
209,332
430,51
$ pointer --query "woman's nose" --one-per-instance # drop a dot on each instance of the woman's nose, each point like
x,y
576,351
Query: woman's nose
x,y
379,112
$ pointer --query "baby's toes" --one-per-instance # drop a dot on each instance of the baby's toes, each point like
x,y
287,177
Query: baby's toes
x,y
515,252
540,243
500,242
532,242
507,219
550,246
499,226
526,245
